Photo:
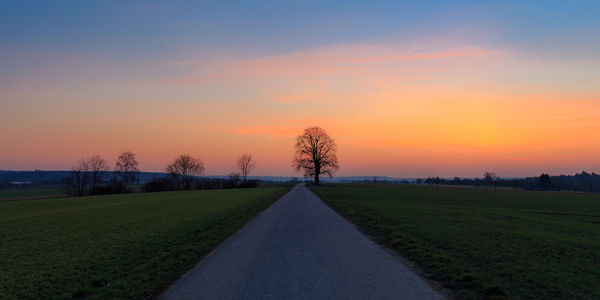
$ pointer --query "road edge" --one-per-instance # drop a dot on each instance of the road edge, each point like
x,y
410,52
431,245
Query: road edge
x,y
414,267
275,197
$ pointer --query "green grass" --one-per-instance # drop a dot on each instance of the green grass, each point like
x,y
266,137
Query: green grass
x,y
29,193
484,243
116,246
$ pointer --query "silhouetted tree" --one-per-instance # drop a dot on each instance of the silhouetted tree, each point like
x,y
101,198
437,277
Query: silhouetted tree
x,y
126,168
545,181
80,177
315,153
490,178
185,168
96,165
246,165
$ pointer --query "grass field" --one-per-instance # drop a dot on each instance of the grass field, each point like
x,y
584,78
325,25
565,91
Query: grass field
x,y
29,193
484,243
117,246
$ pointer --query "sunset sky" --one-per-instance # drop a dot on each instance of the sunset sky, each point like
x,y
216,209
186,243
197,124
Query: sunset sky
x,y
430,88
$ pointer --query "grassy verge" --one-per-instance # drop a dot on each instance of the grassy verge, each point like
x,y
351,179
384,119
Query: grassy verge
x,y
484,243
116,246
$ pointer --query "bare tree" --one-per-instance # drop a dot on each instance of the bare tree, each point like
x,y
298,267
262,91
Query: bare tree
x,y
126,167
80,177
186,168
315,153
96,165
491,178
246,165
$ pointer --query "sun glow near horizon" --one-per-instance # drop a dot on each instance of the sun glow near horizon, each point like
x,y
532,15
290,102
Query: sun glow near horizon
x,y
504,95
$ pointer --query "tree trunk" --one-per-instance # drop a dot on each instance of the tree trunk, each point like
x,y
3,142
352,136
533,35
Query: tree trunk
x,y
94,184
317,172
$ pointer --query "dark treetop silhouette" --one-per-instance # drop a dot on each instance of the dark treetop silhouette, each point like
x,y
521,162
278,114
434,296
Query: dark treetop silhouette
x,y
315,153
246,165
126,167
79,177
96,165
185,168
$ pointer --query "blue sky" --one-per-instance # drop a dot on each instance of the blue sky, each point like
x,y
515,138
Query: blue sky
x,y
96,26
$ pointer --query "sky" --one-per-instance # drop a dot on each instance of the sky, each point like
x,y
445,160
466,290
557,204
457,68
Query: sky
x,y
406,89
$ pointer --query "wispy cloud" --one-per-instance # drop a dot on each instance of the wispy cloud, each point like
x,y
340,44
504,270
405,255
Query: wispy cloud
x,y
333,60
182,62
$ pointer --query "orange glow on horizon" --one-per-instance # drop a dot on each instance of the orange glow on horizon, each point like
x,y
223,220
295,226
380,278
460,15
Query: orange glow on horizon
x,y
393,109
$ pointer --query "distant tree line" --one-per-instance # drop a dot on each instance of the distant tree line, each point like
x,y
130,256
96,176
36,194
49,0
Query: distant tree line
x,y
170,184
585,182
57,179
89,175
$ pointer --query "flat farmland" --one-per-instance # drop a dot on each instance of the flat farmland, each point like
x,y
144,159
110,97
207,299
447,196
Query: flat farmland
x,y
116,246
484,243
29,193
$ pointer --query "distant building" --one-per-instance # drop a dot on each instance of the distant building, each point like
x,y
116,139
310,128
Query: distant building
x,y
20,183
